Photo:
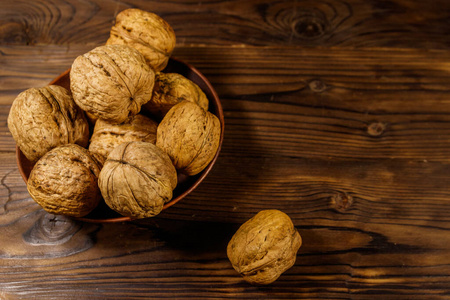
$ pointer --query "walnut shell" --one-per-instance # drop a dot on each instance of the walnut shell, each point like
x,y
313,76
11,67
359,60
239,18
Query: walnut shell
x,y
264,247
147,32
111,82
172,88
64,181
137,179
190,136
41,119
107,136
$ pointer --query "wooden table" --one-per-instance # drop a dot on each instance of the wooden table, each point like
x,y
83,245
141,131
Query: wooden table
x,y
336,112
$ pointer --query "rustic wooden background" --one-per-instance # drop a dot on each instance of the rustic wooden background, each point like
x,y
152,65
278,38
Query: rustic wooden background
x,y
337,112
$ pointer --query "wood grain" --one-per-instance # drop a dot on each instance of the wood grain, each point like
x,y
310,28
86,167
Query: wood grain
x,y
340,75
363,176
337,113
389,23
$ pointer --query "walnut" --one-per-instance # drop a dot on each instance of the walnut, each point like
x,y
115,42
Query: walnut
x,y
111,82
172,88
137,179
264,247
147,32
107,136
190,135
41,119
64,181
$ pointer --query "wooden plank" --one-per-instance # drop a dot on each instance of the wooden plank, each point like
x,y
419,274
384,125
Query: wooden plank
x,y
345,103
335,74
325,192
296,130
314,192
382,78
400,23
255,129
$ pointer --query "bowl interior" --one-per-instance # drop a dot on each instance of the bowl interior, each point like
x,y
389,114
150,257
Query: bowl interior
x,y
186,184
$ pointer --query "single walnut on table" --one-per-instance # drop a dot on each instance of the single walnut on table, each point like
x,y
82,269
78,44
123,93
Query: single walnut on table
x,y
147,32
111,82
41,119
64,181
190,136
107,136
171,89
264,247
137,179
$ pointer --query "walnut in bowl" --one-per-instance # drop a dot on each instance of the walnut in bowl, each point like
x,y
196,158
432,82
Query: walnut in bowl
x,y
137,179
64,181
106,136
190,135
171,89
111,82
147,32
41,119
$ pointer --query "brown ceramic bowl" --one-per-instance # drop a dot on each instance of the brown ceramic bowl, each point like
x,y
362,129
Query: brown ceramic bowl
x,y
186,184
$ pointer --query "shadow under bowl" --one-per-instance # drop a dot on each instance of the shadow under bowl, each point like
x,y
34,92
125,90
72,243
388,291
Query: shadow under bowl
x,y
186,184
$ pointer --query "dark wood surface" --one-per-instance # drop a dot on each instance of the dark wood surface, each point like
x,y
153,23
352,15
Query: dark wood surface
x,y
336,112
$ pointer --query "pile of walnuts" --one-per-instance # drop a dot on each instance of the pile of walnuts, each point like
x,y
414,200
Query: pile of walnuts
x,y
148,126
132,160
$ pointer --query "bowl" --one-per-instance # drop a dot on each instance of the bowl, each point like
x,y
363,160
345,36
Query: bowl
x,y
186,184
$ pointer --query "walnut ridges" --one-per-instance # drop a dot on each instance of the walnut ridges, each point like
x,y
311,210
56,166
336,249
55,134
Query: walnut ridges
x,y
172,88
190,135
107,136
264,247
64,181
147,32
111,82
41,119
137,179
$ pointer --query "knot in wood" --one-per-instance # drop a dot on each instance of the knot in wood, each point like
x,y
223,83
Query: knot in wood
x,y
341,201
51,230
376,129
16,33
310,26
317,86
55,226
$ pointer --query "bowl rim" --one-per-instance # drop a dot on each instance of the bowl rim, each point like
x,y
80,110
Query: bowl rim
x,y
200,177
